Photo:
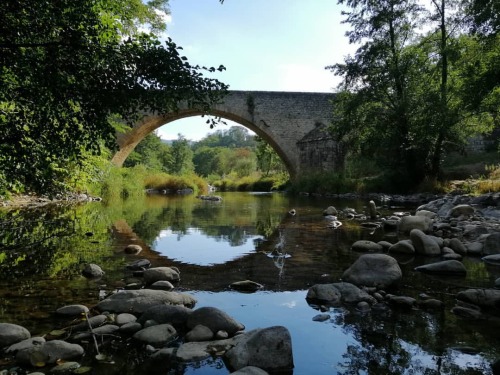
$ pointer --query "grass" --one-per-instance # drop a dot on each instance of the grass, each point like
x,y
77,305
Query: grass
x,y
255,182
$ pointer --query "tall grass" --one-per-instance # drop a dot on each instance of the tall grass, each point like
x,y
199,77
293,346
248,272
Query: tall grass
x,y
255,182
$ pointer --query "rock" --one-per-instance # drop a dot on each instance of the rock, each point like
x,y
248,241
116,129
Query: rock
x,y
363,307
246,286
431,304
174,315
270,349
402,301
330,211
390,224
492,244
107,329
385,245
474,248
457,246
402,247
488,298
461,210
497,283
162,285
438,240
221,335
12,334
445,267
133,249
25,344
49,352
95,321
366,246
160,274
451,256
372,210
339,292
321,317
138,301
374,270
428,214
407,223
492,259
467,313
250,370
199,333
424,244
92,271
140,264
131,328
125,318
214,319
72,310
157,335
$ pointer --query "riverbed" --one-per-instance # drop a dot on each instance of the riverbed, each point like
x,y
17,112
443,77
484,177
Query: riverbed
x,y
245,236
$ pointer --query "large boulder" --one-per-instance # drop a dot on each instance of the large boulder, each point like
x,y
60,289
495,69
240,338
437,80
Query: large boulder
x,y
424,244
488,298
157,335
492,244
49,352
445,267
461,210
366,246
374,270
215,319
174,315
339,292
12,334
138,301
161,274
269,349
407,223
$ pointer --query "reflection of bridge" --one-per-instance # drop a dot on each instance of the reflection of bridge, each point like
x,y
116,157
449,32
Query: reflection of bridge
x,y
291,122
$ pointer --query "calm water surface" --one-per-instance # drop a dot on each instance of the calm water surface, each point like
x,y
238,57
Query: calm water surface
x,y
246,236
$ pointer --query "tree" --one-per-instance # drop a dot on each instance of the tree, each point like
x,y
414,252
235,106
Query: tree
x,y
268,160
66,66
151,152
181,161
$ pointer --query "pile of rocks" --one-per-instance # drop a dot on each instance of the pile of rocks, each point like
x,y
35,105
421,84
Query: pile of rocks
x,y
162,326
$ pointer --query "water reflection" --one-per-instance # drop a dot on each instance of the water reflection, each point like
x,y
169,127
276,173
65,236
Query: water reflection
x,y
243,237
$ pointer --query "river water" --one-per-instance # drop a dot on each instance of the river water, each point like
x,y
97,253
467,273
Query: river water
x,y
245,236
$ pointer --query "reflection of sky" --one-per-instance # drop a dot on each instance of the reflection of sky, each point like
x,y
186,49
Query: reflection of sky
x,y
195,247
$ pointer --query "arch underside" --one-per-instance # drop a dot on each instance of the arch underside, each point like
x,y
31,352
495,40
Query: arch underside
x,y
128,141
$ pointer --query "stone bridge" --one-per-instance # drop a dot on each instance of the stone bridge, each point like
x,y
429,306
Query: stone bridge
x,y
293,123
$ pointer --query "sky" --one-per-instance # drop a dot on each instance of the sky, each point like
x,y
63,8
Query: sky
x,y
265,45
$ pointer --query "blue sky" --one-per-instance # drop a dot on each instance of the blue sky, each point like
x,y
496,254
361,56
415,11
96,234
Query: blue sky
x,y
269,45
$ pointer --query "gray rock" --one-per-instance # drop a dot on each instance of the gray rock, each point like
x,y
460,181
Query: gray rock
x,y
366,246
457,246
25,344
156,336
140,264
174,315
246,286
445,267
250,370
474,248
330,211
199,333
431,304
492,259
390,224
92,271
424,244
363,307
64,368
221,335
138,301
438,240
451,256
50,352
372,210
385,245
321,317
130,328
95,321
161,285
324,292
488,298
402,301
125,318
214,319
402,247
12,334
270,349
374,270
492,244
407,223
336,293
107,329
461,210
467,313
426,213
133,249
72,310
497,283
161,274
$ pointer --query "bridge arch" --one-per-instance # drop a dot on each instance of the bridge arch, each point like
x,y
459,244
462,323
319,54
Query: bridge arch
x,y
290,122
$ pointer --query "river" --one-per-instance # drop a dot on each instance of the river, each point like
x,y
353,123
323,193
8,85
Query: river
x,y
245,236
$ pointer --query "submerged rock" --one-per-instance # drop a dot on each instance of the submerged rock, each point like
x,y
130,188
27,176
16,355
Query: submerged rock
x,y
157,335
246,286
215,319
445,267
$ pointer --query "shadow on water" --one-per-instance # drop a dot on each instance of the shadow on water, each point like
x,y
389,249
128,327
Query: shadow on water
x,y
246,236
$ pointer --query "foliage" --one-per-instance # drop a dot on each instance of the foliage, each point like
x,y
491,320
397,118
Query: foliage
x,y
181,157
66,66
234,137
268,161
152,153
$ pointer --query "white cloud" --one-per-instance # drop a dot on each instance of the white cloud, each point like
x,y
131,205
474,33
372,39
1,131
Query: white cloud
x,y
301,77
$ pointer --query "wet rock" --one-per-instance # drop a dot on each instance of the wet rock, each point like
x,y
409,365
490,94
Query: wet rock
x,y
246,286
363,307
64,368
161,285
474,248
139,265
92,271
199,333
366,246
497,283
72,310
270,349
385,245
457,246
321,317
372,210
461,210
25,344
214,319
426,213
107,329
374,270
407,223
160,274
402,247
431,304
95,321
174,315
445,267
12,334
337,293
133,249
451,256
250,370
138,301
467,313
131,328
125,318
489,298
492,259
330,211
157,335
492,244
424,244
221,335
50,352
402,301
